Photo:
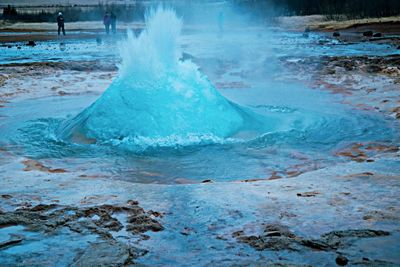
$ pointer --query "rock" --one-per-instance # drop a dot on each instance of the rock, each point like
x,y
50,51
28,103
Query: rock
x,y
275,237
274,176
63,47
273,233
9,46
355,233
207,181
62,93
336,34
106,254
18,47
306,35
186,231
132,202
378,34
43,207
31,43
368,33
341,260
315,244
308,194
10,242
279,237
373,68
95,220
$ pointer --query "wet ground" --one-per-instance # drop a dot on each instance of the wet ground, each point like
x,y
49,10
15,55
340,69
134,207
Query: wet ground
x,y
320,188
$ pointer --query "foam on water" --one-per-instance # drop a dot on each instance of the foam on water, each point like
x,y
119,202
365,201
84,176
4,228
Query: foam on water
x,y
158,99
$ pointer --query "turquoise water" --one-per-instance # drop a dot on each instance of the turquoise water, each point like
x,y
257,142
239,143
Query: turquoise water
x,y
163,120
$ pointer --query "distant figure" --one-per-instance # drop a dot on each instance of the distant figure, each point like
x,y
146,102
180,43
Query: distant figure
x,y
113,20
107,22
60,22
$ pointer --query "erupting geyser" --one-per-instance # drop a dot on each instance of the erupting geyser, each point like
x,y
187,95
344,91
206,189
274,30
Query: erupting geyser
x,y
157,96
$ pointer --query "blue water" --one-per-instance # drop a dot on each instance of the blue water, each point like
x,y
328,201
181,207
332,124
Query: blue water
x,y
163,120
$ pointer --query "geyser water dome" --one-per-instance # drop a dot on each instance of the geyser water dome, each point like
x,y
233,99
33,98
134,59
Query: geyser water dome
x,y
158,97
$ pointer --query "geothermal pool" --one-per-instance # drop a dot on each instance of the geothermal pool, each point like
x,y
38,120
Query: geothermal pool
x,y
201,105
239,145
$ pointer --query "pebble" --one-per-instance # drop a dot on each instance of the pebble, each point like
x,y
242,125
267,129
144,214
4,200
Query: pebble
x,y
341,260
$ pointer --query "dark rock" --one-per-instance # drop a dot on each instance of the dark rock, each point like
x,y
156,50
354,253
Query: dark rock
x,y
373,68
273,233
336,34
341,260
62,93
11,242
31,43
43,207
281,229
315,244
378,34
18,47
63,47
398,47
106,254
275,237
368,33
308,194
207,181
186,231
97,220
9,46
279,237
355,233
132,202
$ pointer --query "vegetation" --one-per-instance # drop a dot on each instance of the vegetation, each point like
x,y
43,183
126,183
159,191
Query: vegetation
x,y
262,8
333,8
74,13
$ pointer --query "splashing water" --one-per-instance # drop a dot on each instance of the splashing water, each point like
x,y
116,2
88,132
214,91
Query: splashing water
x,y
157,98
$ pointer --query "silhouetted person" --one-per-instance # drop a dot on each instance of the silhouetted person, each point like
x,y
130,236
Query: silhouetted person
x,y
113,21
60,22
107,22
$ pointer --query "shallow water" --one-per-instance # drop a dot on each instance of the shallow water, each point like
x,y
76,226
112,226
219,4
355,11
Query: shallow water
x,y
305,127
305,137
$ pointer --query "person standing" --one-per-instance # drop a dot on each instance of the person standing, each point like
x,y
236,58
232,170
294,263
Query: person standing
x,y
60,22
113,20
107,22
